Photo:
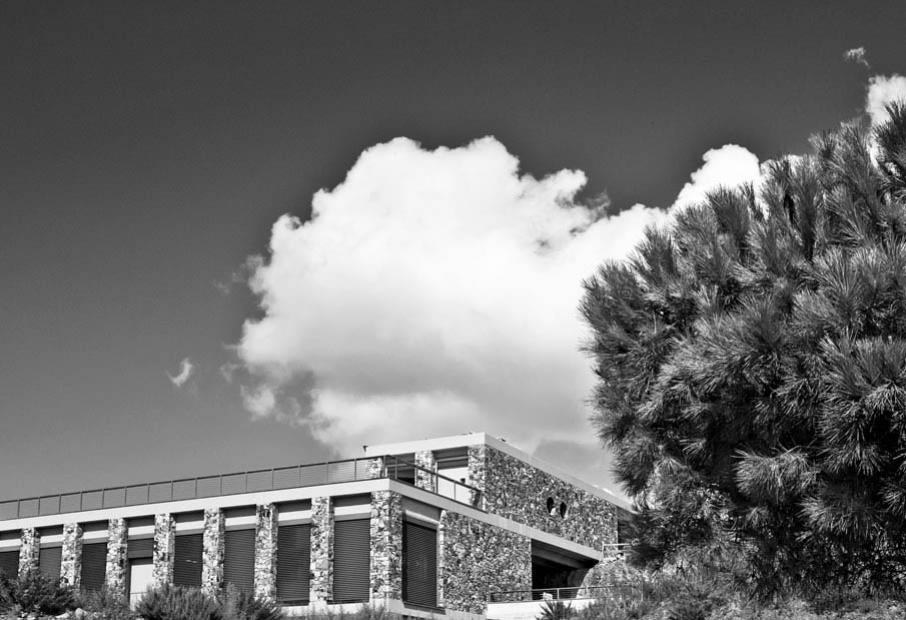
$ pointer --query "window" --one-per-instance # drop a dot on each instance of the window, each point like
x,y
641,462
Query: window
x,y
419,564
293,564
351,561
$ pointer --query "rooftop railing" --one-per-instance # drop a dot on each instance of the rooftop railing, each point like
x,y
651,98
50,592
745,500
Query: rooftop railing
x,y
297,476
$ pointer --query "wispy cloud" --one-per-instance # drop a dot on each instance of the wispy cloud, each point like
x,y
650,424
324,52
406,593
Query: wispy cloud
x,y
433,291
857,55
186,370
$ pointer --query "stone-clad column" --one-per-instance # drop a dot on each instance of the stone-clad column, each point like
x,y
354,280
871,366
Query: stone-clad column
x,y
376,467
477,475
212,554
386,545
321,550
28,551
164,546
441,539
71,559
115,577
423,477
266,552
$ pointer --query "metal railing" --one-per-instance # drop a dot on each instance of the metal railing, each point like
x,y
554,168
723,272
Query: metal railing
x,y
612,591
296,476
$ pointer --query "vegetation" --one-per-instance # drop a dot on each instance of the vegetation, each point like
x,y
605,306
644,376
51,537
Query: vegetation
x,y
752,370
34,593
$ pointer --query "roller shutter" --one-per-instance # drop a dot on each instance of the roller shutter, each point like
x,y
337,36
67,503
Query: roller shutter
x,y
187,560
351,561
239,559
9,563
49,559
419,565
94,563
139,548
293,563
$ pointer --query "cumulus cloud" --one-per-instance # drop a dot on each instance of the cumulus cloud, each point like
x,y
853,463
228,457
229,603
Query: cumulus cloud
x,y
882,90
728,166
433,292
186,369
857,55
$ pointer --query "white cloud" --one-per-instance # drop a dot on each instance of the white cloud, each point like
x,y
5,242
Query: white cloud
x,y
728,166
857,55
186,368
883,89
433,292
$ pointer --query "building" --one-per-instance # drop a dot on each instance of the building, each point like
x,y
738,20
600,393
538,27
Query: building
x,y
438,526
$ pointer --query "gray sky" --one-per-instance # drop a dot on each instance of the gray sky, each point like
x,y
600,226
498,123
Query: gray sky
x,y
149,148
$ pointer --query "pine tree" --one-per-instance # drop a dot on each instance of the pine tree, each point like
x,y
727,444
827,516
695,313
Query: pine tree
x,y
751,364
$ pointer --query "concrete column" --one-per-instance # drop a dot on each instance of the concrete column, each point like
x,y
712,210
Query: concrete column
x,y
423,477
117,534
386,546
266,552
28,552
71,560
321,550
164,547
212,554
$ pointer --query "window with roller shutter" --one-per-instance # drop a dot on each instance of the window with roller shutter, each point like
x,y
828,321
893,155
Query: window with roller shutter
x,y
187,560
9,563
351,561
239,559
419,564
294,564
49,560
94,563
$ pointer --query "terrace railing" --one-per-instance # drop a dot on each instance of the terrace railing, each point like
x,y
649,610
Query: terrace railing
x,y
611,591
297,476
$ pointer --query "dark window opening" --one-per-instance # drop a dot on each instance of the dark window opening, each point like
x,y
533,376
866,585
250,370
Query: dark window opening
x,y
239,559
351,561
550,505
187,560
419,565
49,560
563,509
293,564
556,571
9,563
94,566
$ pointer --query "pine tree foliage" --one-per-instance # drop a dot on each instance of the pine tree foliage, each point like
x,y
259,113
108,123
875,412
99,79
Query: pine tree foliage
x,y
751,363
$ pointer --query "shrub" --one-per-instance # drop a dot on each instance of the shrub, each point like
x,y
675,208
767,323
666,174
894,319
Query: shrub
x,y
238,605
556,610
177,603
35,593
106,605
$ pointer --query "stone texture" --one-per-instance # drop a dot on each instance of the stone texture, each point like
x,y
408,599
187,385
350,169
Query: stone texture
x,y
321,549
164,548
516,490
441,538
71,558
376,468
477,467
212,551
386,545
266,551
115,577
479,559
28,551
424,478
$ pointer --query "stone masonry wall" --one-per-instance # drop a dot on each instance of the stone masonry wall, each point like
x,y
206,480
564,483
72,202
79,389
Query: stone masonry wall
x,y
164,547
71,558
518,491
266,551
28,551
212,551
423,477
321,549
116,557
386,545
478,559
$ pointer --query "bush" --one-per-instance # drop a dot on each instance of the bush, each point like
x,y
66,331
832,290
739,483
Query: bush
x,y
556,610
177,603
238,605
35,593
106,605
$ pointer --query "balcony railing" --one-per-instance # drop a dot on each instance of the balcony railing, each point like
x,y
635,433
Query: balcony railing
x,y
612,591
297,476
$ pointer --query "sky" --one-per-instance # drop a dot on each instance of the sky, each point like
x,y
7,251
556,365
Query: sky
x,y
170,307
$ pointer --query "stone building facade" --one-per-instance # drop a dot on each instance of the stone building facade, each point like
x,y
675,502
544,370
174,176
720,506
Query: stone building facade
x,y
426,527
